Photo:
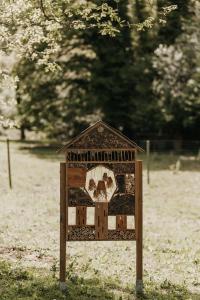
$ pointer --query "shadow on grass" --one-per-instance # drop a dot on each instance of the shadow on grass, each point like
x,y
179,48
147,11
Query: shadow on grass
x,y
167,291
22,284
158,161
43,150
171,161
17,283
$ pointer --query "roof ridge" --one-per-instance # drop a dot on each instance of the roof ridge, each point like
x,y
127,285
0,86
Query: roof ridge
x,y
88,129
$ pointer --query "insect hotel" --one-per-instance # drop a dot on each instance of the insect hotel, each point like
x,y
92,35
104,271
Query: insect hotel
x,y
101,172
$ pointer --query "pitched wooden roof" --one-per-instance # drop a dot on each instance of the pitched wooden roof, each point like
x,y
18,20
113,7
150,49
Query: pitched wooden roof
x,y
100,135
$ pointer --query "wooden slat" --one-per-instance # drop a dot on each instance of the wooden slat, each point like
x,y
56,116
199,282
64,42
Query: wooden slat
x,y
63,221
101,150
75,226
138,220
81,215
103,155
121,222
101,221
102,161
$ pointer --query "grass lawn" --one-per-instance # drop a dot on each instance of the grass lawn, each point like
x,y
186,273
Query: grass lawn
x,y
29,236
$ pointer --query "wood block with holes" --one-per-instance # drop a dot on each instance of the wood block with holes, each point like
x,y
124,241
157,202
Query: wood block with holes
x,y
121,222
101,221
81,215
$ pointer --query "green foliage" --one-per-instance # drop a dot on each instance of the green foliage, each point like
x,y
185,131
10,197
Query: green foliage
x,y
48,100
149,22
31,284
111,266
63,107
34,30
167,34
112,74
48,36
18,283
95,76
177,85
79,61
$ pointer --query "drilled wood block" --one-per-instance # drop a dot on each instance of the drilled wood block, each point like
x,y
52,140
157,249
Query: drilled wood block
x,y
101,221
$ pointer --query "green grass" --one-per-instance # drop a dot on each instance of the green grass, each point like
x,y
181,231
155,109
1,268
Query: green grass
x,y
30,284
158,161
29,236
17,283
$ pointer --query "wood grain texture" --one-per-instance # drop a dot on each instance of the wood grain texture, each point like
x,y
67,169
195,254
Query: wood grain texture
x,y
81,216
76,177
63,221
121,222
101,221
103,155
139,220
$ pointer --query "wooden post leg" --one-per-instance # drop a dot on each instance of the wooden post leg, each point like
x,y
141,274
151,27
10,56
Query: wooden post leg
x,y
62,226
101,221
139,225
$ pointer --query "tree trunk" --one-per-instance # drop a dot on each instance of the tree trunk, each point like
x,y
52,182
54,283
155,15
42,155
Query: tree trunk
x,y
178,143
22,133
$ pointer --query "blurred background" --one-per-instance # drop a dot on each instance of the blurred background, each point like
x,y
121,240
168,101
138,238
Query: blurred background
x,y
144,80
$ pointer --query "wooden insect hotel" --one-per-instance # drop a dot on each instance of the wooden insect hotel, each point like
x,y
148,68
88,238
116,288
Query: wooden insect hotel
x,y
102,172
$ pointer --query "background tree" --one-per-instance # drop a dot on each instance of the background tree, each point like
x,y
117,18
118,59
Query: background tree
x,y
63,102
144,117
26,24
177,85
168,34
106,81
91,81
57,102
112,77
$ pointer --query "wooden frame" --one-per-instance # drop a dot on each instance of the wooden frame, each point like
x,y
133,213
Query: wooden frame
x,y
72,176
63,223
139,225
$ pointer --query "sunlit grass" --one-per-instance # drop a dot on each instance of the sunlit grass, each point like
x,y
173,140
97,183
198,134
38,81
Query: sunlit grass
x,y
29,233
17,283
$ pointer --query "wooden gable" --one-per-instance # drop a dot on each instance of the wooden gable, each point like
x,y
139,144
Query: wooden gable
x,y
100,136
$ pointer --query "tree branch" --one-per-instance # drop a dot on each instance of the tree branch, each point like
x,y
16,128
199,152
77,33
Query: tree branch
x,y
44,12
